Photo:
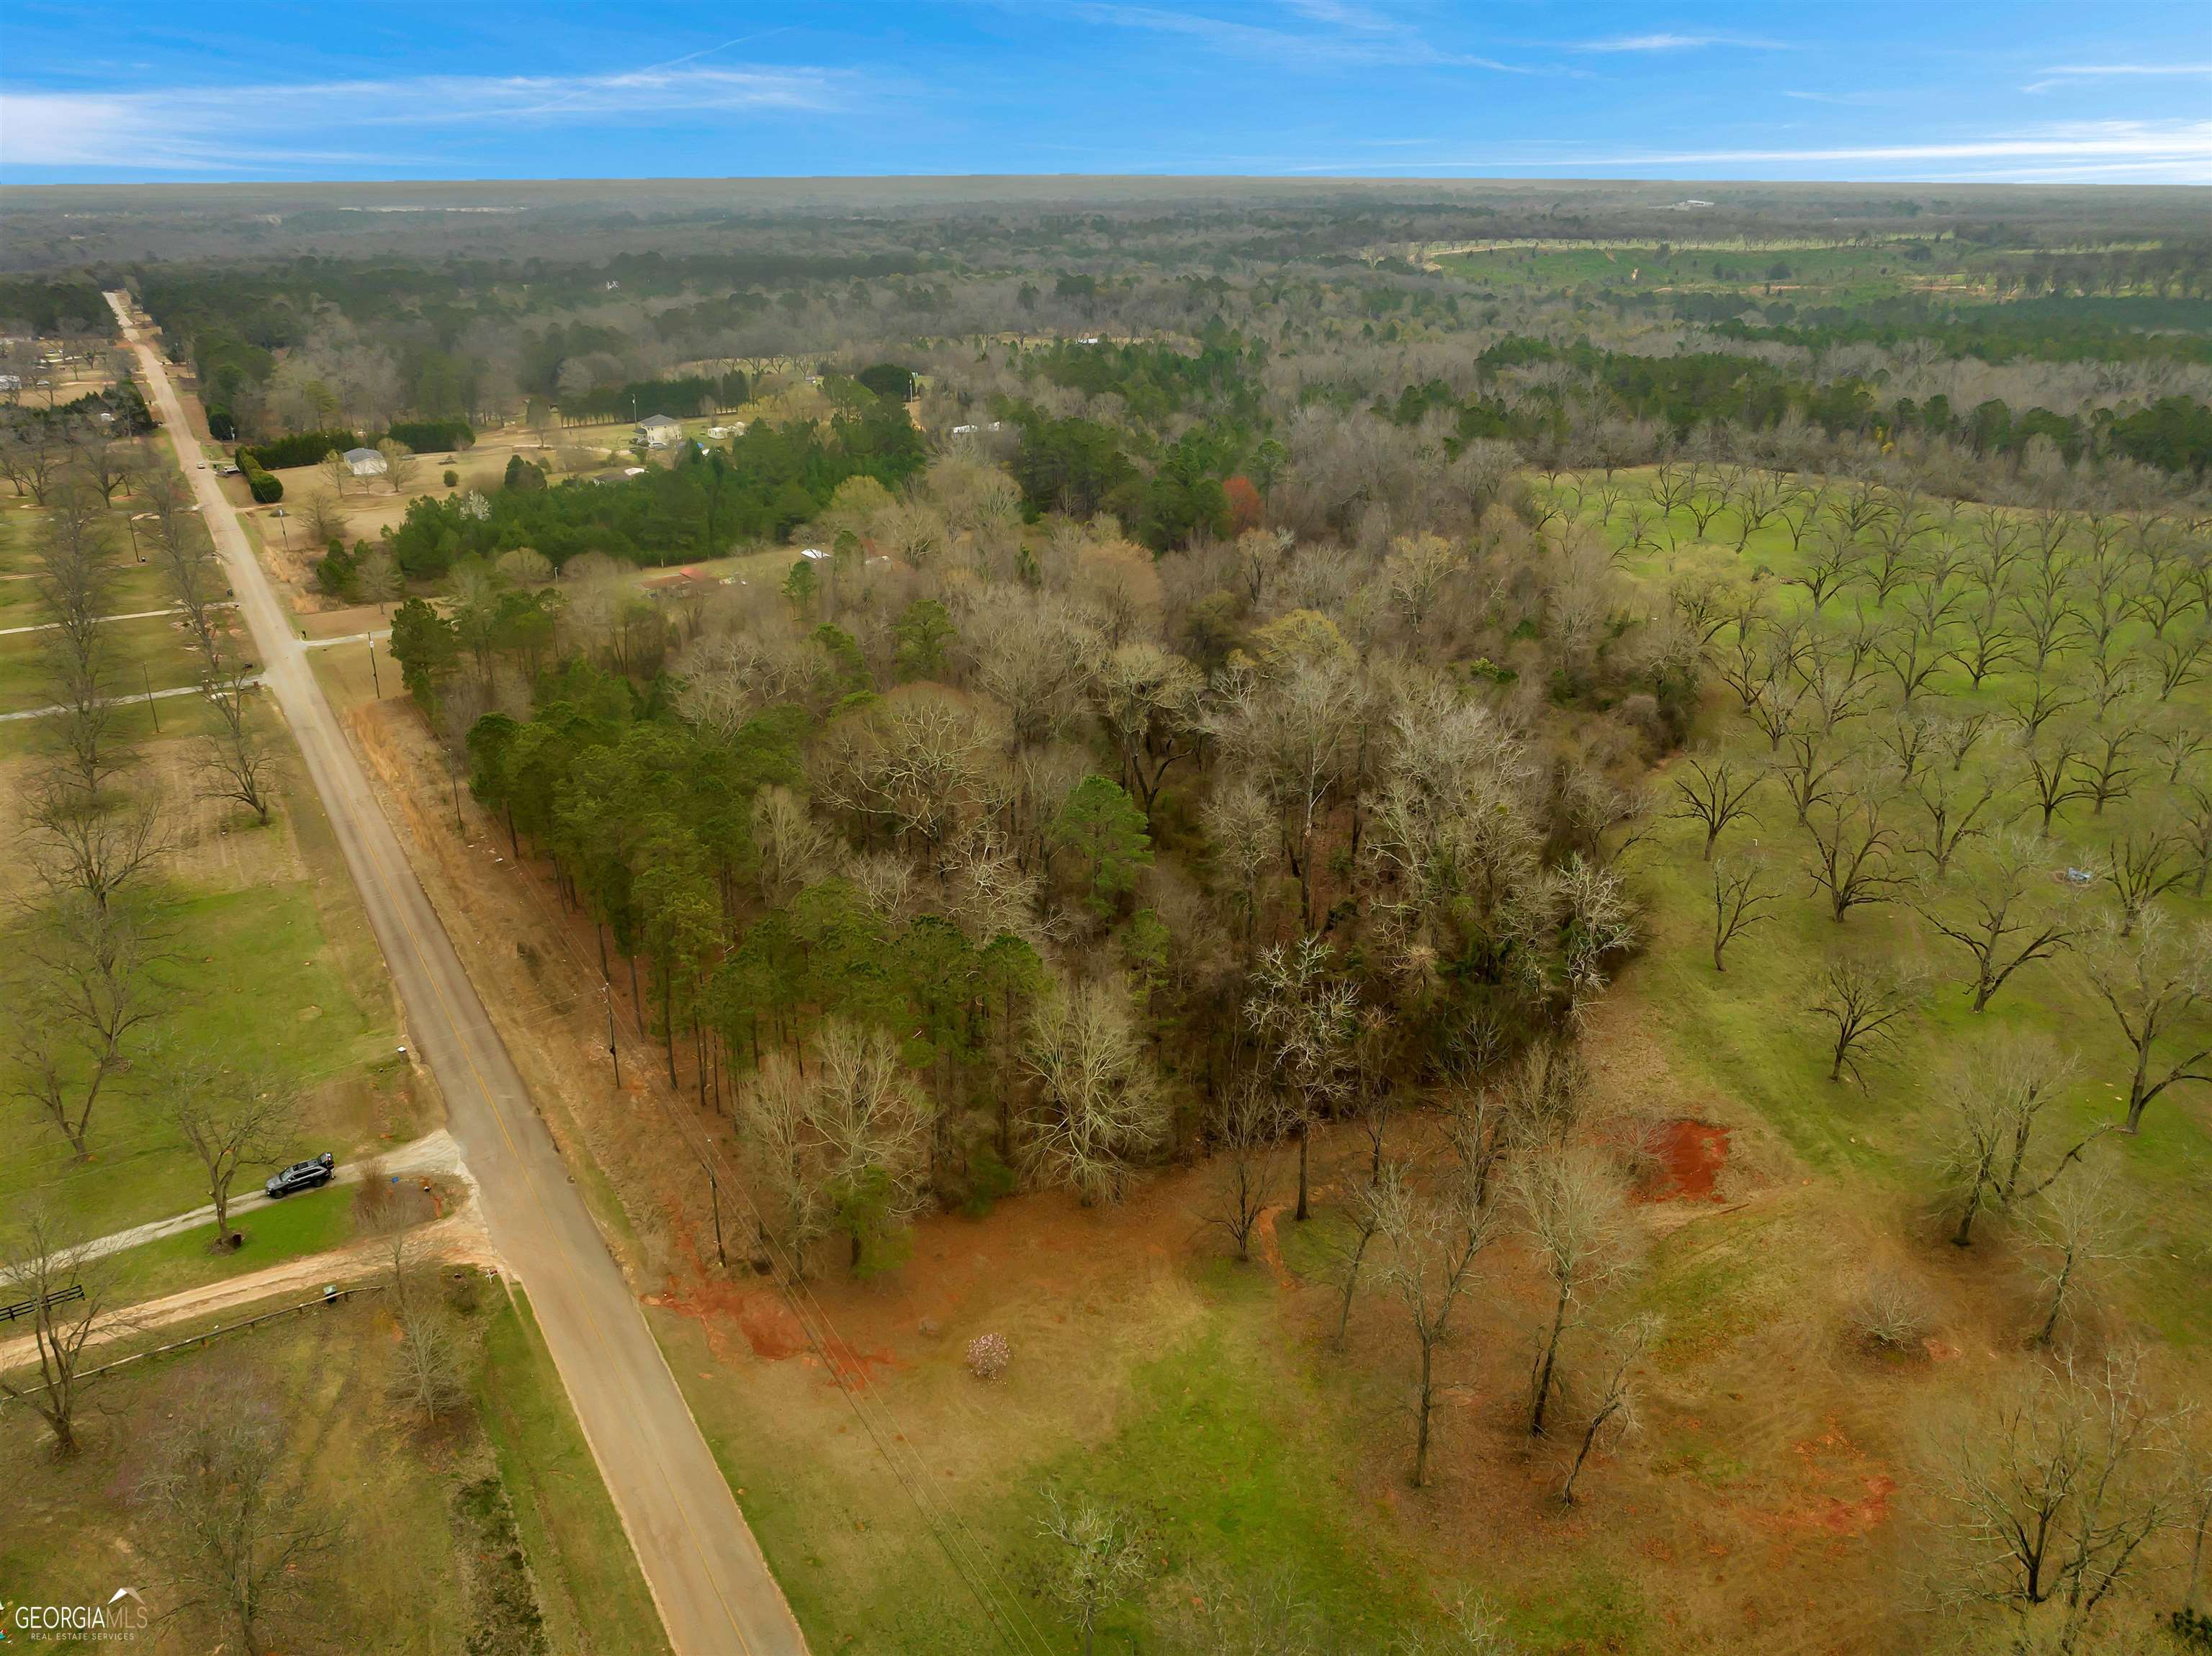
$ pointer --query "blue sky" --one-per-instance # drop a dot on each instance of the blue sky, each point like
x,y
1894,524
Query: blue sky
x,y
2100,92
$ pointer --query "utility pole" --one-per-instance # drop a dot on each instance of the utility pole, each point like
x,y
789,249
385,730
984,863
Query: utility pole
x,y
714,1196
373,678
614,1052
146,679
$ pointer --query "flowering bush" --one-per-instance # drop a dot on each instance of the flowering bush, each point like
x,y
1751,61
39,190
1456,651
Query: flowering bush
x,y
988,1356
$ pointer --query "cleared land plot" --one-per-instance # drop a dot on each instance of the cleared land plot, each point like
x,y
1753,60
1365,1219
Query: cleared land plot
x,y
429,1514
266,958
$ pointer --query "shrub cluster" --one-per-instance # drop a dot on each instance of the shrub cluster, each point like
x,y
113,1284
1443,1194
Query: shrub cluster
x,y
301,448
424,435
988,1356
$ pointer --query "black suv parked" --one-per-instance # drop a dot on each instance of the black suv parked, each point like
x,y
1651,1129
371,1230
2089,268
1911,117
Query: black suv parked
x,y
303,1175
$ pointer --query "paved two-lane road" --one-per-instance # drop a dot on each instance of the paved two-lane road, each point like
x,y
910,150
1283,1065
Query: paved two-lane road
x,y
706,1572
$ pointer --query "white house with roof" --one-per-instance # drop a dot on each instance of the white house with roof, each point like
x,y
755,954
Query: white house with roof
x,y
364,462
659,431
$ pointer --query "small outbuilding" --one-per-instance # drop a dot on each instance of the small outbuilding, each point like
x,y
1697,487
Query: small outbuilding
x,y
364,463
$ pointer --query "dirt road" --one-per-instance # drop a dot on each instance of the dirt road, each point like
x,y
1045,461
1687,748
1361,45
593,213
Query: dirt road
x,y
705,1570
458,1240
432,1153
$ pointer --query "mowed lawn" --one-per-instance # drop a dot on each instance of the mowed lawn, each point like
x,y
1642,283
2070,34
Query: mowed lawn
x,y
262,957
313,1222
251,976
1213,1437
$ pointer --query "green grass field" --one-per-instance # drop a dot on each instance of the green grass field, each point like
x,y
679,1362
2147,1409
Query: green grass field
x,y
1749,1033
253,973
1196,1443
264,954
314,1221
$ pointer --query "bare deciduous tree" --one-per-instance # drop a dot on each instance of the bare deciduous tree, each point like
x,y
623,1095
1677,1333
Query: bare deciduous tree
x,y
2001,919
1613,1414
2157,981
1571,1210
1953,808
1854,849
228,1117
1221,1615
1149,700
1098,1557
2056,770
428,1372
792,847
2140,867
41,1270
773,1116
2076,1228
226,1513
1289,731
83,999
238,764
1716,790
2055,1486
1741,898
1996,1099
1307,1015
1434,1242
1375,1202
83,845
1242,830
1862,1002
1101,1108
1247,1128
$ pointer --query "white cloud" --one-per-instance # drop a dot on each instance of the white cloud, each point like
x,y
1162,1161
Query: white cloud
x,y
1350,35
2066,74
249,127
2175,152
1667,41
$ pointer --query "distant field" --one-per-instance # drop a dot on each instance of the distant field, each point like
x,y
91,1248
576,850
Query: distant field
x,y
1815,274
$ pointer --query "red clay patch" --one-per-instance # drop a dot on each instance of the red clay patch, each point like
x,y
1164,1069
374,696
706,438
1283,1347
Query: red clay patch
x,y
1270,1249
771,1332
1690,1156
1831,1458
